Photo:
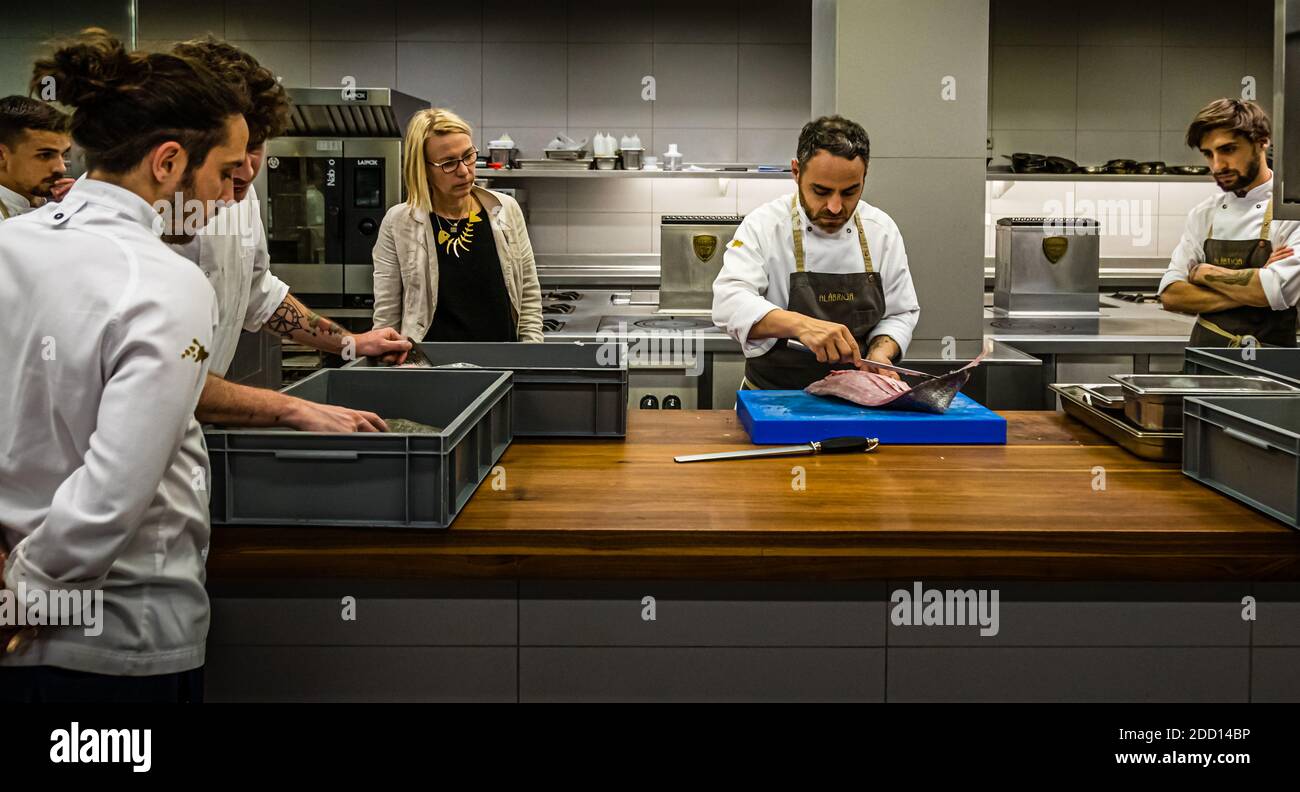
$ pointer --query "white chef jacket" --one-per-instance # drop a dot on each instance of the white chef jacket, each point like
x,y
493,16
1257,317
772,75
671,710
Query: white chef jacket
x,y
232,252
1226,216
756,268
103,470
14,203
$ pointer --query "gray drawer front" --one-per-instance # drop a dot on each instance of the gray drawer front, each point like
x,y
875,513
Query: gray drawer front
x,y
354,673
1091,614
473,615
1077,674
1277,617
701,614
683,674
1276,675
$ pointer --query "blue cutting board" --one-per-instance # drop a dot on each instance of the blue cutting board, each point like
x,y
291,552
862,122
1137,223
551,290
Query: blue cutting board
x,y
793,416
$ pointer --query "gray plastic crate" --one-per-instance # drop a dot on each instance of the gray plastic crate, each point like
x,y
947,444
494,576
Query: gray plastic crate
x,y
1278,363
278,477
1247,448
559,390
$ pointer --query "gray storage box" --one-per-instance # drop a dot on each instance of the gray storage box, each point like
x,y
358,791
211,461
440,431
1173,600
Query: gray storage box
x,y
1248,448
559,390
1278,363
278,477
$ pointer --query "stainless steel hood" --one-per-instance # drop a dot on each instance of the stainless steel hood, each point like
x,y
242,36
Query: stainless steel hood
x,y
356,112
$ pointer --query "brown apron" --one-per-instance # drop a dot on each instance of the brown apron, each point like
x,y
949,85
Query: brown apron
x,y
1230,328
853,299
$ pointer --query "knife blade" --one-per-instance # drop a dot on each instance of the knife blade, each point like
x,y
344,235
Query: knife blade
x,y
833,445
416,357
912,372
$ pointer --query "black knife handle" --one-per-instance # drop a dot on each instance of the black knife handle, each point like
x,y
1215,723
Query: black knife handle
x,y
837,445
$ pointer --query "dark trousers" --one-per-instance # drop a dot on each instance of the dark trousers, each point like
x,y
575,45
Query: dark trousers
x,y
50,685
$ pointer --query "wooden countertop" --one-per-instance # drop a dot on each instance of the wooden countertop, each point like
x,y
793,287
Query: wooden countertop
x,y
624,509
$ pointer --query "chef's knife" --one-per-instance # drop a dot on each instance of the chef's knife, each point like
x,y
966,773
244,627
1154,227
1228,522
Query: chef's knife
x,y
416,356
833,445
913,372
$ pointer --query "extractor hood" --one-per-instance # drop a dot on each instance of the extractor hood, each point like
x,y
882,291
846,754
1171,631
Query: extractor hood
x,y
351,112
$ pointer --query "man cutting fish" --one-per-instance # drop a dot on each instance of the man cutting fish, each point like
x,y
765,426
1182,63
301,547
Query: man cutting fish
x,y
819,266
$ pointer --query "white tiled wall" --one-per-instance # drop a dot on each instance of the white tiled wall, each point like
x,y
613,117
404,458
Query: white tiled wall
x,y
622,215
1113,79
733,83
1139,220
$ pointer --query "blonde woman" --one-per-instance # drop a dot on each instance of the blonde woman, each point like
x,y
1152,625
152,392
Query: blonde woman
x,y
453,263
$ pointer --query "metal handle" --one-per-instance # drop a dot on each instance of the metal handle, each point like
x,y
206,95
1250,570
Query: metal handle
x,y
341,455
1248,439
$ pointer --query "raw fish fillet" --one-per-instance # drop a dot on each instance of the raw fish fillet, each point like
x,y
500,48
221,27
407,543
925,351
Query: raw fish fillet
x,y
860,387
876,390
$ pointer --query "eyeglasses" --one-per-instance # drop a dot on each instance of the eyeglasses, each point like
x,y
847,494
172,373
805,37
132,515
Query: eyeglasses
x,y
450,166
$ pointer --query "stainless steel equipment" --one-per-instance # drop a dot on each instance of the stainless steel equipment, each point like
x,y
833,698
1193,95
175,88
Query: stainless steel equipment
x,y
1155,401
1158,446
1046,266
1286,109
690,257
326,186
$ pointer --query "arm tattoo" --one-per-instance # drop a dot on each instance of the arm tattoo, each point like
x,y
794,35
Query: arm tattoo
x,y
285,320
289,318
1241,278
879,341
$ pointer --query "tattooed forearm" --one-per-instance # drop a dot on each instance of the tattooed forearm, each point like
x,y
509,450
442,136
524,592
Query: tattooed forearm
x,y
1234,279
285,320
294,317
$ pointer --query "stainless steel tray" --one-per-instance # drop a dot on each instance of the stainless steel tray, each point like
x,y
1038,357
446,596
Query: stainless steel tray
x,y
1199,385
1107,397
1155,401
554,164
1156,446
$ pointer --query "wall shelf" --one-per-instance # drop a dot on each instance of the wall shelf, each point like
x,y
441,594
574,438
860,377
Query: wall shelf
x,y
1097,177
542,173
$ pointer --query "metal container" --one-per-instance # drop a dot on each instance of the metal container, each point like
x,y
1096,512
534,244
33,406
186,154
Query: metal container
x,y
690,258
606,163
551,163
1046,266
1155,401
565,154
1156,446
632,158
1107,397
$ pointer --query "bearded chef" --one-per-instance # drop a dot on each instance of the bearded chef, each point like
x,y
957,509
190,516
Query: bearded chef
x,y
1235,268
819,266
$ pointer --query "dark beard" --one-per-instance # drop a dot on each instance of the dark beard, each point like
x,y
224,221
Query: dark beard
x,y
814,221
1245,180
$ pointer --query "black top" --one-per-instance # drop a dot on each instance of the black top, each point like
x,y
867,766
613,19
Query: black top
x,y
473,304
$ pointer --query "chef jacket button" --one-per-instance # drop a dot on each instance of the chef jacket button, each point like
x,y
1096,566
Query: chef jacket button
x,y
59,216
1258,206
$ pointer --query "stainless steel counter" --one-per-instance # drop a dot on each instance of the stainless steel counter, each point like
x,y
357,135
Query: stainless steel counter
x,y
1122,328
